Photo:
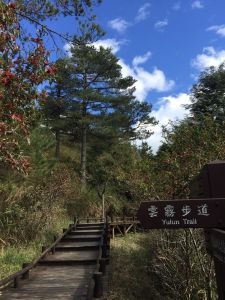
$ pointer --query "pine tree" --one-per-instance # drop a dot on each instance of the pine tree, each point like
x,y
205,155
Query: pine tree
x,y
102,99
101,105
208,95
55,107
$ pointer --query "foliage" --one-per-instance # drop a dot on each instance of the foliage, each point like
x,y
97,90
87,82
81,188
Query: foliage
x,y
20,74
183,266
83,203
24,66
40,10
32,206
12,257
102,99
189,145
93,102
208,95
131,269
162,265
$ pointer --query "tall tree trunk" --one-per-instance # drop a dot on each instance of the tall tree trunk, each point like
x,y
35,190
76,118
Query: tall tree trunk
x,y
83,156
84,139
57,144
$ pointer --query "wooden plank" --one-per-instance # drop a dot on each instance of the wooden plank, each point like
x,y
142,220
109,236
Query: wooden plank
x,y
74,255
118,227
83,238
86,232
129,228
78,244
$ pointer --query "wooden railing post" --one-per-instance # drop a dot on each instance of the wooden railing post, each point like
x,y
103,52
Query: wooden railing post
x,y
104,250
16,282
103,262
43,248
98,287
26,275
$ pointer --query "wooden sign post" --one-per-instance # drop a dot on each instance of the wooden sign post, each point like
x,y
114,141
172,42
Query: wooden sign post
x,y
214,186
206,210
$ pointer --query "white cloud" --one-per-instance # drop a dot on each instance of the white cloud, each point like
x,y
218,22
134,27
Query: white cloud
x,y
146,81
110,43
119,25
171,108
176,6
160,25
219,29
105,43
143,12
67,48
197,4
209,57
138,60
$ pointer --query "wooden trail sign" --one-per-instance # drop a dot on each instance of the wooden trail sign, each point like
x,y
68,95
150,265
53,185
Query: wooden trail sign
x,y
206,210
193,213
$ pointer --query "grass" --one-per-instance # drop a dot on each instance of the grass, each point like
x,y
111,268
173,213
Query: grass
x,y
131,276
12,257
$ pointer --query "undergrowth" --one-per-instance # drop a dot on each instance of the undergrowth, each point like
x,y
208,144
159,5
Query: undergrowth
x,y
150,266
130,263
12,257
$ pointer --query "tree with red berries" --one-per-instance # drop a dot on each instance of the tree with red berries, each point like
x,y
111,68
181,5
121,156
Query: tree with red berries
x,y
20,74
23,67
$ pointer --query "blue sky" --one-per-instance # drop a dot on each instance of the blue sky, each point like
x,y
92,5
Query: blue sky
x,y
164,45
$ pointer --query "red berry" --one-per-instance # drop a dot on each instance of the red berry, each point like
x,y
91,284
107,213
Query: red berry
x,y
12,5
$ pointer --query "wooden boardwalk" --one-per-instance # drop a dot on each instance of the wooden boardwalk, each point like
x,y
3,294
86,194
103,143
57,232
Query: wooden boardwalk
x,y
67,271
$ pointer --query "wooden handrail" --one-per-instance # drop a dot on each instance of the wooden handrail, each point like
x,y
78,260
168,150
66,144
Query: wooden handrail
x,y
115,218
101,220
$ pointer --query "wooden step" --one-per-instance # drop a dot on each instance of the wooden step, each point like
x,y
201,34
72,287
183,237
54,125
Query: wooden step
x,y
86,232
84,228
81,238
76,248
67,273
77,244
40,293
73,262
72,255
91,225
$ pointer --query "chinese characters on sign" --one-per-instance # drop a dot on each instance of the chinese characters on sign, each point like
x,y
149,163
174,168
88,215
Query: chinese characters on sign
x,y
170,210
153,211
203,210
193,213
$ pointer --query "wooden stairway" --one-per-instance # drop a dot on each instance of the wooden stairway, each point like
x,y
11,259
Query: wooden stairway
x,y
67,272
